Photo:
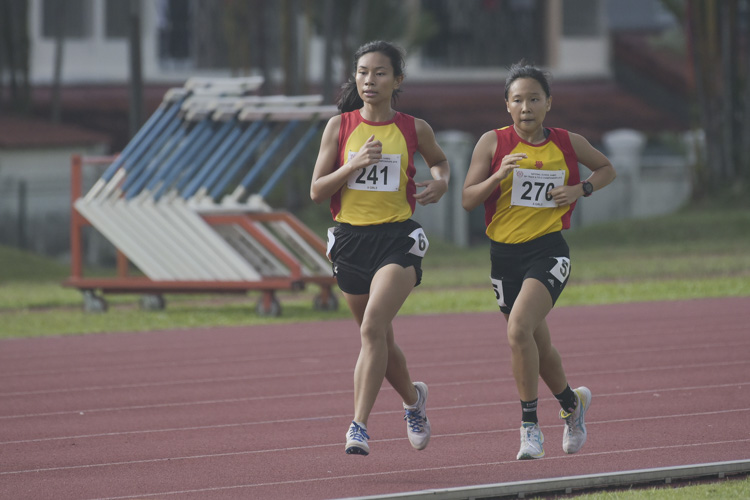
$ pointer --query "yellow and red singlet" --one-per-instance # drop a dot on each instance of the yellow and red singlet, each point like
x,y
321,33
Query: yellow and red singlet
x,y
526,215
383,192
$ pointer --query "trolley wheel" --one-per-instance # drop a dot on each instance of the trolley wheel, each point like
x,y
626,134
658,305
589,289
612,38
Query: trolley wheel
x,y
268,306
330,303
152,302
92,303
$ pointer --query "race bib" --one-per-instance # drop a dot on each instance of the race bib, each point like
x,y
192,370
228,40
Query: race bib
x,y
497,286
385,175
330,242
531,187
561,270
420,246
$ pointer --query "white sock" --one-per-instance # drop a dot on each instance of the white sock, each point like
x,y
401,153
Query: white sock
x,y
415,405
364,427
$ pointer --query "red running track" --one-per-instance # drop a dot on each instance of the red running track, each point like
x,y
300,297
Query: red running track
x,y
261,412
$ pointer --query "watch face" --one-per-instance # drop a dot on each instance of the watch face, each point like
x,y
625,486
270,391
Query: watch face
x,y
587,188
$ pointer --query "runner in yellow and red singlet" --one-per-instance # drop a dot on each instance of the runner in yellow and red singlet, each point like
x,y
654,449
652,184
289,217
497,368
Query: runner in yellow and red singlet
x,y
365,167
526,175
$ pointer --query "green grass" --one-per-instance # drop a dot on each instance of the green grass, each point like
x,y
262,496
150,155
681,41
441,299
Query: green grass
x,y
19,266
701,252
692,254
730,488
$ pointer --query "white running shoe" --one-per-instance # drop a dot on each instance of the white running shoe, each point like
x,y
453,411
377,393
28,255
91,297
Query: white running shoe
x,y
532,440
417,425
356,440
574,434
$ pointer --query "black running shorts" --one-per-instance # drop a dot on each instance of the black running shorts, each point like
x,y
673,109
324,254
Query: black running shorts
x,y
358,252
546,259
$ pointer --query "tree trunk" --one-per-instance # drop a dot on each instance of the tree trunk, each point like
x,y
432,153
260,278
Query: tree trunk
x,y
15,40
743,77
136,77
61,10
289,45
262,42
329,36
727,33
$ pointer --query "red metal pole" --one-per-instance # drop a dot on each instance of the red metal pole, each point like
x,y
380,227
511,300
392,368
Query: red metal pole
x,y
76,220
122,264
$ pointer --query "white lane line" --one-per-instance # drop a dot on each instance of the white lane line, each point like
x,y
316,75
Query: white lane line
x,y
214,380
354,476
333,417
202,361
333,393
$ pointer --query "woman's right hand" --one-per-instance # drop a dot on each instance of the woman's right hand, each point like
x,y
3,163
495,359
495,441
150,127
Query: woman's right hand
x,y
370,153
508,163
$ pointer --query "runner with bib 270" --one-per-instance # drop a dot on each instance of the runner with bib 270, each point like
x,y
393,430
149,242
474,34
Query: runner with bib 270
x,y
366,168
526,175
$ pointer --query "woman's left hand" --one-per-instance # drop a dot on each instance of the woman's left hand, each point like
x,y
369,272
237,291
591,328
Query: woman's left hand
x,y
432,192
565,195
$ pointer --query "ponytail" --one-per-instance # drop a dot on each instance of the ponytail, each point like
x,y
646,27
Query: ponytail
x,y
349,100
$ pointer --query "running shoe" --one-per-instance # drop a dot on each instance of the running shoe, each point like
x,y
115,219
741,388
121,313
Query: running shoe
x,y
417,425
532,440
574,434
356,440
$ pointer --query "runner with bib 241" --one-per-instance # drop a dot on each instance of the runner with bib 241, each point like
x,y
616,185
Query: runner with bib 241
x,y
365,167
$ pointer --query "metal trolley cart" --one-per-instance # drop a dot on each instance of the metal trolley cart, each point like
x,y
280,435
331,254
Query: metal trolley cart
x,y
177,202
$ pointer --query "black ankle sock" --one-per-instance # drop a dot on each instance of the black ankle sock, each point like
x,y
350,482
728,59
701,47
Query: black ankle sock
x,y
528,411
568,399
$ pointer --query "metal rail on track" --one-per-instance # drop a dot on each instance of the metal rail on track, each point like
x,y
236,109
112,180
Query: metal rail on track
x,y
576,484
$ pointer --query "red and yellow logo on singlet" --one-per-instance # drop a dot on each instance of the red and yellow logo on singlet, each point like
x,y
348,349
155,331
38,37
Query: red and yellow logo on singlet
x,y
379,193
508,223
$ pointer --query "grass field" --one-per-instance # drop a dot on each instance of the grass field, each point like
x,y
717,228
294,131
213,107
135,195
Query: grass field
x,y
701,252
692,254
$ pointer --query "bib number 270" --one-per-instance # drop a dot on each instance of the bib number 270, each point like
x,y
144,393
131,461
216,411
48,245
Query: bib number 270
x,y
534,191
531,187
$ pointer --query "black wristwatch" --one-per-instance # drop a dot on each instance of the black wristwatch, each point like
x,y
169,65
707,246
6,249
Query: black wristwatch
x,y
588,188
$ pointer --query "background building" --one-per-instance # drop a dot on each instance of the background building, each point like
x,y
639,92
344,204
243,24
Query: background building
x,y
103,66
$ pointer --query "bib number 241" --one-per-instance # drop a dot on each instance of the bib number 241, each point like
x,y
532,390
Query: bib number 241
x,y
384,175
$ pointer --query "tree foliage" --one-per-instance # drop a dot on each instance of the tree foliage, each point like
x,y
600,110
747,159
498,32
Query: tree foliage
x,y
718,45
347,24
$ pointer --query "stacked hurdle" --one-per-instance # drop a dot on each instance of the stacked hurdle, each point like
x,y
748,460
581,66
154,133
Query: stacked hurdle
x,y
180,202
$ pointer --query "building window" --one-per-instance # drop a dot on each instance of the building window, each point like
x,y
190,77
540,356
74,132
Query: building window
x,y
485,33
72,16
581,18
116,18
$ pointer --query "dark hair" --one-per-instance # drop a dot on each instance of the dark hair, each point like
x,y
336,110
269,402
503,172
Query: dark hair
x,y
524,70
349,99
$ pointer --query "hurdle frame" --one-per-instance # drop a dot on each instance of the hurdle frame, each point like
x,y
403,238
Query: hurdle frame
x,y
93,288
157,202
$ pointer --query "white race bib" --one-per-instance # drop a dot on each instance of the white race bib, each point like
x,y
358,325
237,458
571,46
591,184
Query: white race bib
x,y
331,241
497,286
561,270
530,187
385,175
420,246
